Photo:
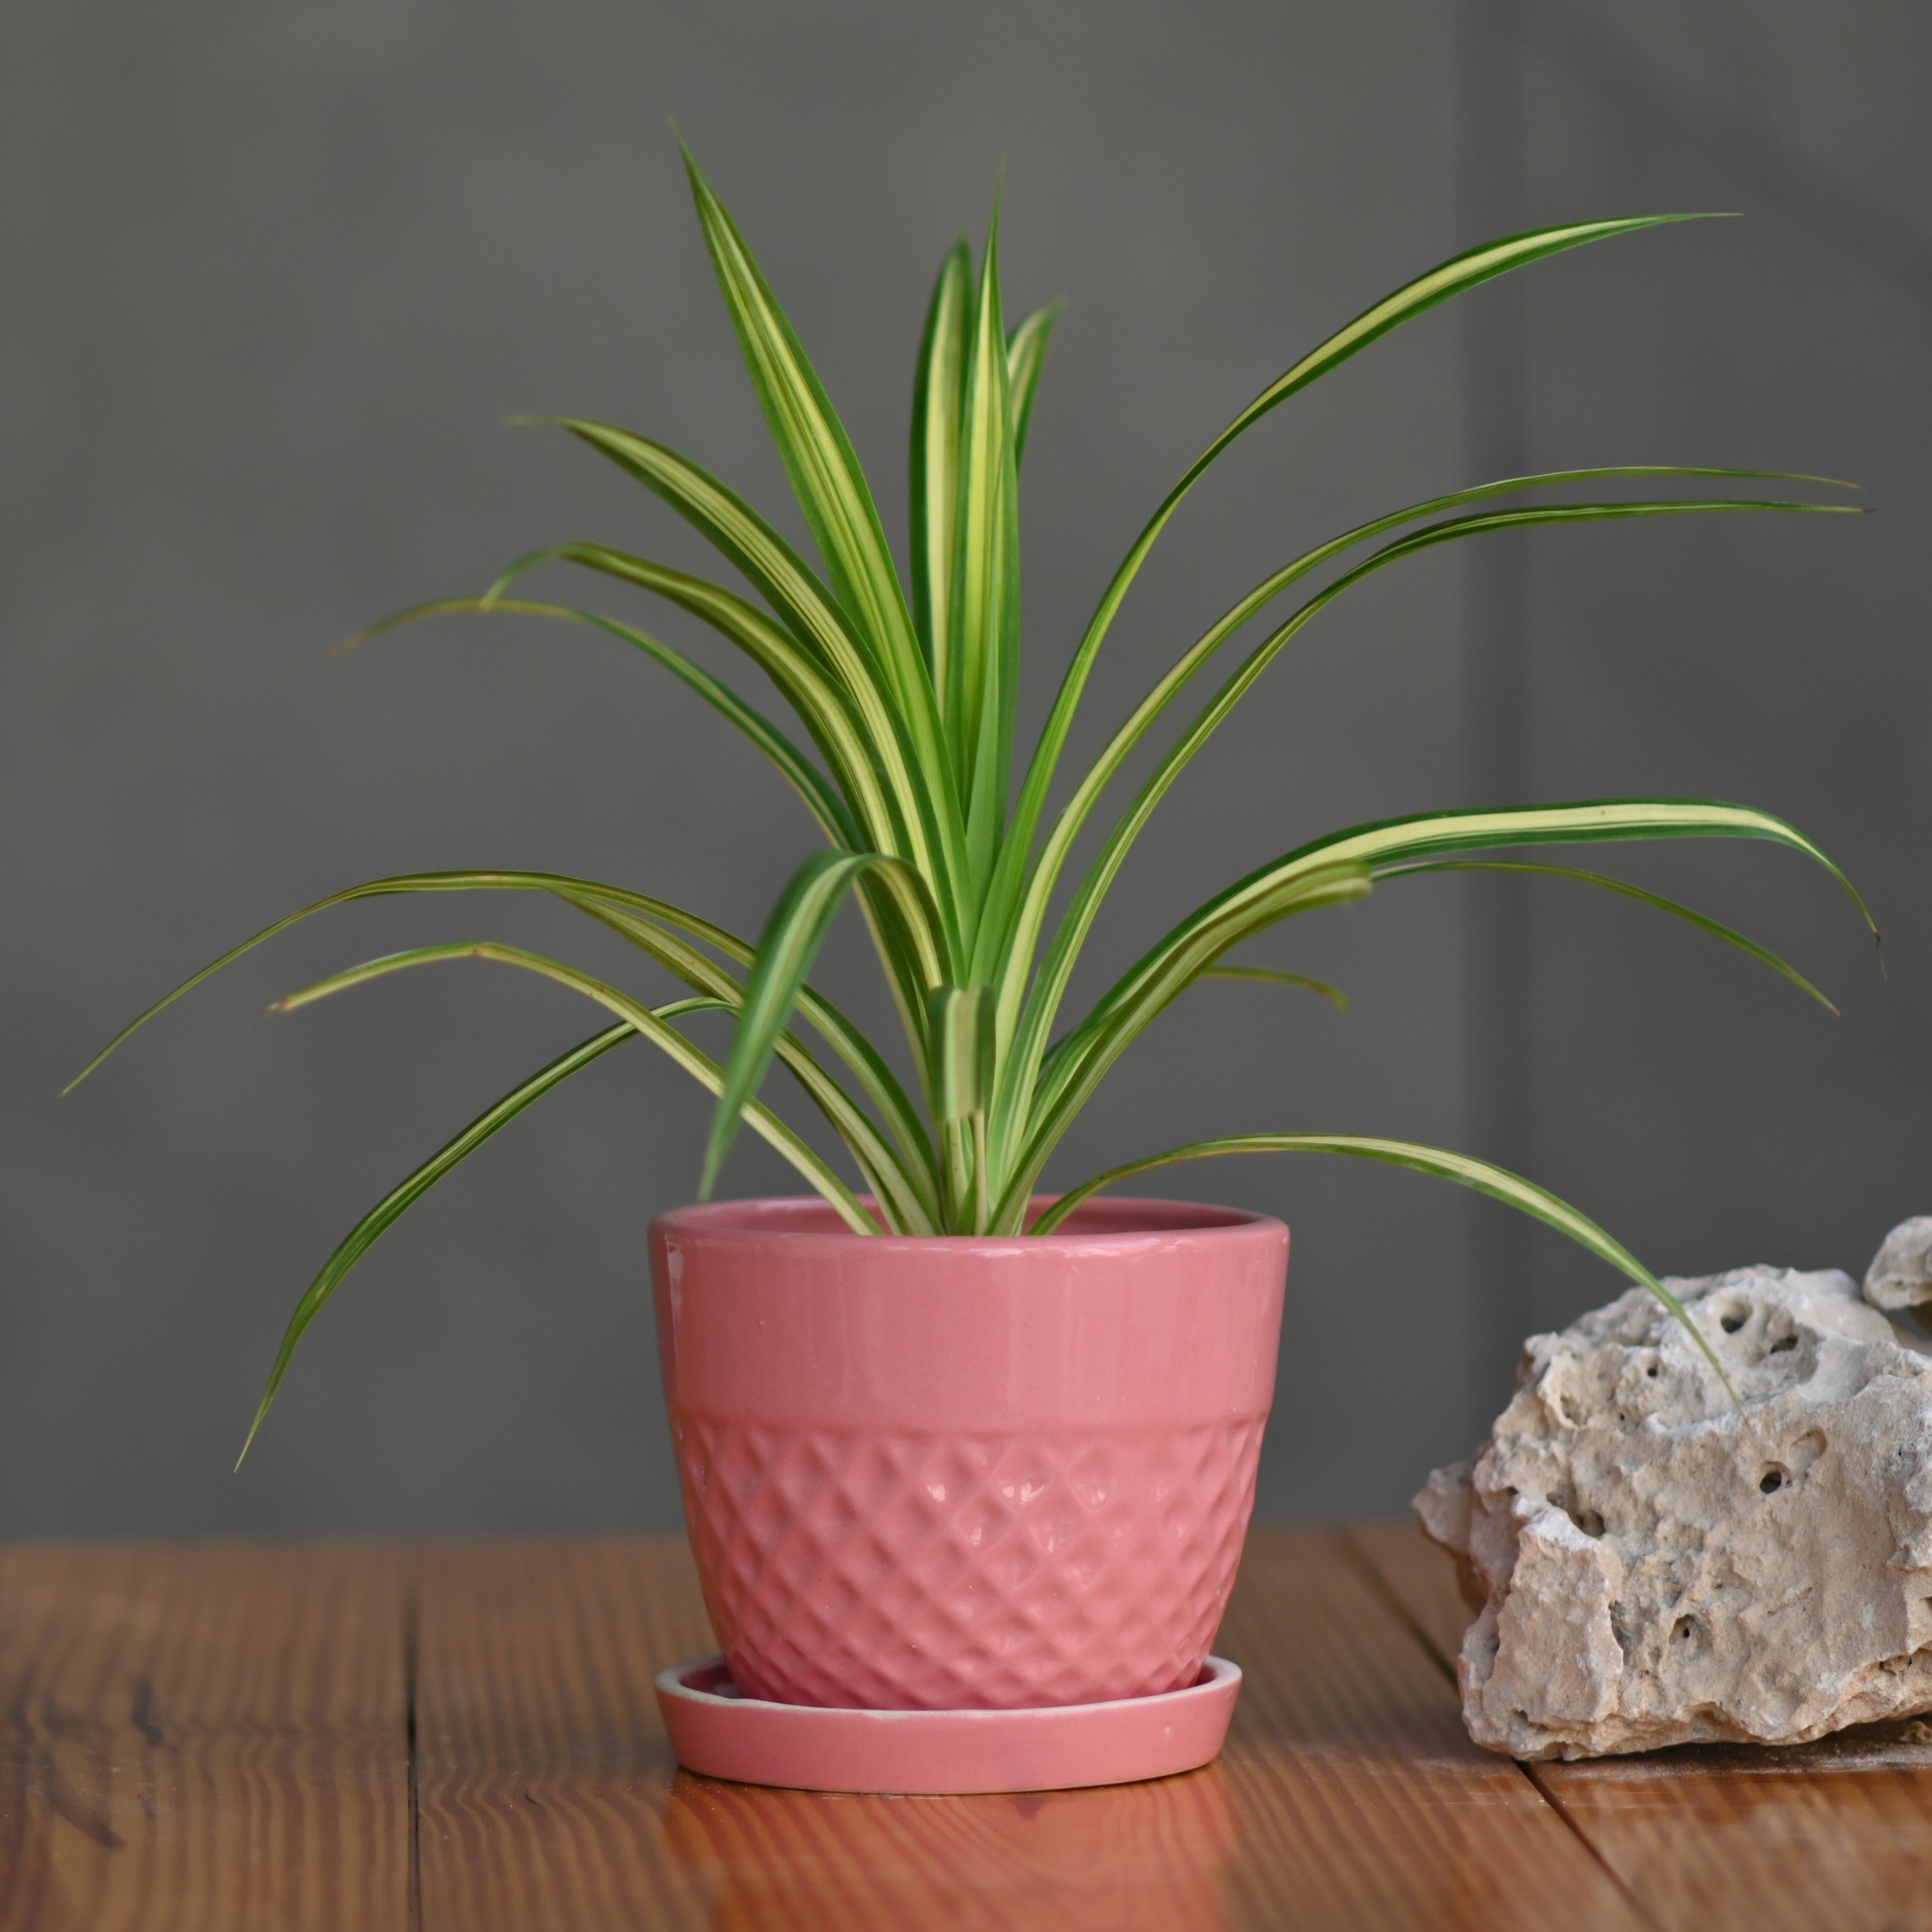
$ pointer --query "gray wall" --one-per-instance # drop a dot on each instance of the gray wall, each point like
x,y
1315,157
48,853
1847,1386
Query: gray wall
x,y
277,272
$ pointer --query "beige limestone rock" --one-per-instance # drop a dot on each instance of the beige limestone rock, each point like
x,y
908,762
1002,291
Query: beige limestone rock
x,y
1654,1567
1900,1275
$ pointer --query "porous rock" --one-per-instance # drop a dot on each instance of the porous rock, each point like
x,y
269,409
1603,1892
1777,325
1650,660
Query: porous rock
x,y
1900,1275
1656,1565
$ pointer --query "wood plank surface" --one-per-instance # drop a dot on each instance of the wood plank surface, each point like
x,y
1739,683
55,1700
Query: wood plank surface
x,y
1360,1799
206,1738
1348,1795
543,1776
1836,1834
220,1737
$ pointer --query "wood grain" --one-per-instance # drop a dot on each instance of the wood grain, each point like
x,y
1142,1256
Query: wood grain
x,y
1835,1834
1348,1795
1360,1798
543,1775
219,1737
210,1738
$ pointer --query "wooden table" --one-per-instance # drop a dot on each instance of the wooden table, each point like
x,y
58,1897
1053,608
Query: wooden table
x,y
464,1739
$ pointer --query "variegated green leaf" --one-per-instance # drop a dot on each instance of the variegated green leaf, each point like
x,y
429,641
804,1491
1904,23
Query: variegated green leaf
x,y
1374,850
1497,1183
938,397
1450,278
897,742
832,492
741,536
661,1034
812,442
832,814
874,1076
998,948
856,732
905,737
983,662
1070,1073
400,1199
1271,977
1042,1004
903,1181
1273,891
911,710
962,1050
791,940
1026,356
1763,954
1394,842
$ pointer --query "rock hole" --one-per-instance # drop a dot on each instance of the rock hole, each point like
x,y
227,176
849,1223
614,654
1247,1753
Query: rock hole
x,y
1587,1521
1731,1323
1689,1637
1773,1479
1573,1410
1652,1371
1783,1342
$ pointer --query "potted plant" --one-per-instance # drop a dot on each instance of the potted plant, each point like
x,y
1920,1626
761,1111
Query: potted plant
x,y
946,1441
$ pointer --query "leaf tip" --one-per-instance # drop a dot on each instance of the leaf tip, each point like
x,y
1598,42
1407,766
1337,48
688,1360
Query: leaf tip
x,y
714,1159
248,1441
700,188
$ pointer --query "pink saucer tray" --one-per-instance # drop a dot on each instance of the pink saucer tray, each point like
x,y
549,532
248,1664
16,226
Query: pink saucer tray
x,y
717,1733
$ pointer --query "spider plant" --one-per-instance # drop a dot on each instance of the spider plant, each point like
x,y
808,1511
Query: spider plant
x,y
955,849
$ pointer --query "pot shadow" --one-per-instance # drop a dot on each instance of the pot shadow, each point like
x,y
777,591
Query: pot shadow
x,y
1128,1858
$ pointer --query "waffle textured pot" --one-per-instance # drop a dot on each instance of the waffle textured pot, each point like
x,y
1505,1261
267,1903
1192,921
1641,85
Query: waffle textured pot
x,y
967,1472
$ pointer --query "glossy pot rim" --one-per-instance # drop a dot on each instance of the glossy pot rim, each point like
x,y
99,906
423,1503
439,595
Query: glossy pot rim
x,y
1105,1221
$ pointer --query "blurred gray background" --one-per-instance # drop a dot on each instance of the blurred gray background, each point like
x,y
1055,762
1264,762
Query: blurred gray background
x,y
277,273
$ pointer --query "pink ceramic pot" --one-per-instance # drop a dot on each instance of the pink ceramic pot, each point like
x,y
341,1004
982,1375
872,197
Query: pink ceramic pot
x,y
967,1473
